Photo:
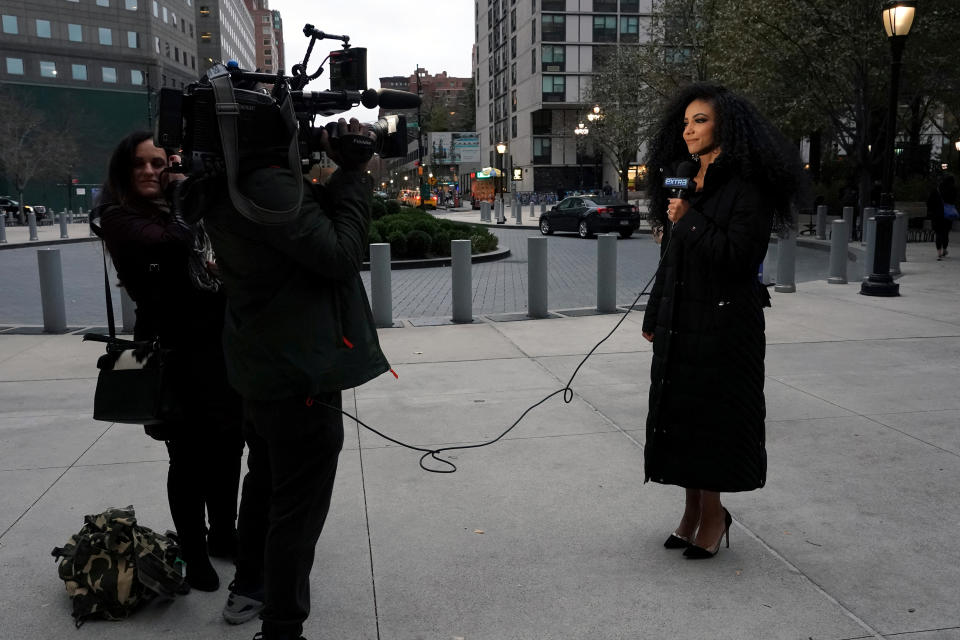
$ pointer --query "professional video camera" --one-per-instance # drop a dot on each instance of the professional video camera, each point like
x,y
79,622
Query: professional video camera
x,y
230,117
188,120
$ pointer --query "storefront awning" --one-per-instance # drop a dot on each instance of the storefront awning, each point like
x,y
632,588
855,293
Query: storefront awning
x,y
489,172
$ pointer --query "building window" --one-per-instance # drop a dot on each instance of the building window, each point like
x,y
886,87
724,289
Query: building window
x,y
156,44
267,41
629,6
513,73
79,71
513,20
204,11
604,28
513,102
554,88
265,19
109,74
205,36
629,29
540,122
48,69
513,47
133,40
193,62
136,77
541,151
74,33
10,25
554,28
103,3
268,51
533,61
513,127
130,5
268,61
266,30
176,54
554,5
605,6
173,18
15,66
166,15
191,30
166,47
554,58
43,28
156,9
106,36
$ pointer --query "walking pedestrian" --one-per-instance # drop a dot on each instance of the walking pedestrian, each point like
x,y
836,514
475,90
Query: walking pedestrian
x,y
705,423
942,211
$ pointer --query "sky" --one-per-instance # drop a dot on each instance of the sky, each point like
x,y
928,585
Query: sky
x,y
398,36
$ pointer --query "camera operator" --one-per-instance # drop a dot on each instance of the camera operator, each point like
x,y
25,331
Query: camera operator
x,y
298,330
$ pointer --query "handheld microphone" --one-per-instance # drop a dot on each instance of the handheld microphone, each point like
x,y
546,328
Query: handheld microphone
x,y
683,184
389,99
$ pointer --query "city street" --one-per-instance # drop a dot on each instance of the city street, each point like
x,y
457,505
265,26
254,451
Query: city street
x,y
499,287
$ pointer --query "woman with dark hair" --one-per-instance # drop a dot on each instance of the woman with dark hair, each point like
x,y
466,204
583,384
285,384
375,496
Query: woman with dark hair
x,y
166,267
705,424
944,194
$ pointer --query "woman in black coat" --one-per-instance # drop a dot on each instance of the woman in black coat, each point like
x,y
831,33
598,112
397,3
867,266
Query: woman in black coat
x,y
705,423
162,262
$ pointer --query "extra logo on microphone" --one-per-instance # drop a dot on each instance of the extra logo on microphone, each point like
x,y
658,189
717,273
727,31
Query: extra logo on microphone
x,y
678,183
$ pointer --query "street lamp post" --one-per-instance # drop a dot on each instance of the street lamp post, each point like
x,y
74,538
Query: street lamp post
x,y
580,132
897,19
957,145
596,116
501,150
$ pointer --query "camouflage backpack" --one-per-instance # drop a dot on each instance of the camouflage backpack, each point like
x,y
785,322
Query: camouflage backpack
x,y
113,565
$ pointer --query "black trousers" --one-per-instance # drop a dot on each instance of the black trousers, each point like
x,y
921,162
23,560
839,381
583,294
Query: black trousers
x,y
292,462
204,475
941,233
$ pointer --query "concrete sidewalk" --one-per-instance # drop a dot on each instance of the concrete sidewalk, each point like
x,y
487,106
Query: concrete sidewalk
x,y
551,533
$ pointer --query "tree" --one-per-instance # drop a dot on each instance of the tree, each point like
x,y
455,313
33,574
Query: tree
x,y
29,147
623,119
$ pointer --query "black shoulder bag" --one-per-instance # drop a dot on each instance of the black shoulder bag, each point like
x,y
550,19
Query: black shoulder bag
x,y
134,385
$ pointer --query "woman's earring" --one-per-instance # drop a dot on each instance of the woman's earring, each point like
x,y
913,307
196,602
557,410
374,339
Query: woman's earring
x,y
695,157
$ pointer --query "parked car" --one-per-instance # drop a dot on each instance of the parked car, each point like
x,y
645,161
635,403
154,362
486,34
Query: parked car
x,y
411,198
11,208
588,215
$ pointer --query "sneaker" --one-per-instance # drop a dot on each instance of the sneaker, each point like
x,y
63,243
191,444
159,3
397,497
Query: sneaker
x,y
259,636
240,608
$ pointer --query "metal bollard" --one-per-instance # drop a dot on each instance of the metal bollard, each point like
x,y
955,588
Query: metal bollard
x,y
543,208
484,211
822,222
838,253
868,212
870,236
848,218
537,277
895,244
70,215
533,210
63,226
381,296
32,221
3,227
501,218
787,262
51,291
519,209
900,236
462,281
607,272
128,311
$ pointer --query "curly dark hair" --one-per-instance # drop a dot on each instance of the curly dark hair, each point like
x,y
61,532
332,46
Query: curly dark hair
x,y
750,146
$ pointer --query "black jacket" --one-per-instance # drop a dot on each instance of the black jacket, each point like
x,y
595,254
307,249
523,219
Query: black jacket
x,y
705,422
298,321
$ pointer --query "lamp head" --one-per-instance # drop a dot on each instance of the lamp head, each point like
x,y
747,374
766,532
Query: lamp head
x,y
957,145
501,147
898,17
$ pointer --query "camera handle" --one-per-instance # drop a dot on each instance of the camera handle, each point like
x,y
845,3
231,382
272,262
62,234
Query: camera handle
x,y
228,112
299,70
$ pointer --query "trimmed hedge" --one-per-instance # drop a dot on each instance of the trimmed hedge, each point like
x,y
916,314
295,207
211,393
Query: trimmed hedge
x,y
414,234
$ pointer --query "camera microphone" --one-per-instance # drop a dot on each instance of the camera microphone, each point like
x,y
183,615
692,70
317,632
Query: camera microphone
x,y
683,184
389,99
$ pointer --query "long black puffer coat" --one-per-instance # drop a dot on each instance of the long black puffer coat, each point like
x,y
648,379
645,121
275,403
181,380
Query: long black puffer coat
x,y
705,423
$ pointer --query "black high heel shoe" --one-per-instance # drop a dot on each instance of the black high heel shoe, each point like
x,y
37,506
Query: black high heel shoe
x,y
676,542
694,552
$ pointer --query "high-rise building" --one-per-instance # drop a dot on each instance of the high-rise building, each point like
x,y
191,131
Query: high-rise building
x,y
265,39
532,64
225,32
279,59
94,67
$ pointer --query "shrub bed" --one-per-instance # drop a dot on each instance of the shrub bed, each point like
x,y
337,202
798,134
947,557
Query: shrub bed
x,y
414,234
